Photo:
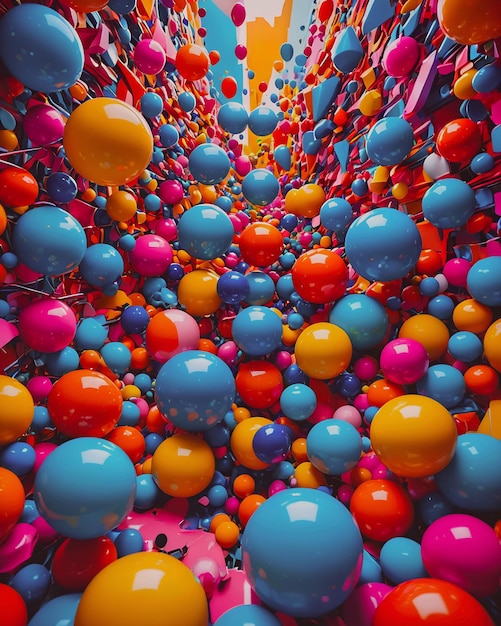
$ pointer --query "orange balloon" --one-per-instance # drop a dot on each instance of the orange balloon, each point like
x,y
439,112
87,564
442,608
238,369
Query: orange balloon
x,y
470,22
241,442
382,390
243,485
307,475
192,61
247,507
472,315
130,439
320,276
11,501
431,332
261,244
197,292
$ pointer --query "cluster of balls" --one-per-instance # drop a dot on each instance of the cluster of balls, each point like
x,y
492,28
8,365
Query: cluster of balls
x,y
187,327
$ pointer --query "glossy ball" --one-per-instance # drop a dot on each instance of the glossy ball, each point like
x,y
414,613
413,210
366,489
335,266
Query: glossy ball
x,y
271,443
400,56
260,187
257,330
61,187
483,281
149,56
101,265
459,140
330,563
404,361
17,409
259,383
47,325
171,332
467,23
205,231
443,383
12,607
197,292
323,350
335,214
192,61
209,164
233,287
383,244
261,244
232,117
320,276
363,318
429,331
247,615
262,121
85,487
389,141
359,608
195,390
401,560
241,442
449,203
151,256
32,581
414,436
11,501
492,349
465,346
59,610
334,446
298,401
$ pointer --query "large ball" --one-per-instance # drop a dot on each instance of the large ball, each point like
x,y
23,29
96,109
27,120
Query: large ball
x,y
467,22
260,187
85,487
449,203
293,559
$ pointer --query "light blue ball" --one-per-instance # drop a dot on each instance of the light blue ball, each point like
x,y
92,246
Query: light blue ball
x,y
59,611
262,121
40,48
443,383
205,231
334,446
261,288
260,187
247,615
129,541
335,214
401,560
195,390
257,330
101,265
302,552
85,487
383,244
117,356
49,240
90,334
483,281
363,319
32,582
298,401
232,117
146,492
59,363
371,570
472,480
186,101
465,346
389,141
209,164
151,104
449,203
168,135
441,306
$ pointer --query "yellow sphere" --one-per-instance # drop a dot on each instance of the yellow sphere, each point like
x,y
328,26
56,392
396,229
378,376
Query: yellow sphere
x,y
307,475
431,333
143,588
414,436
183,465
323,350
241,442
492,345
305,201
121,206
197,292
108,141
463,89
472,315
16,410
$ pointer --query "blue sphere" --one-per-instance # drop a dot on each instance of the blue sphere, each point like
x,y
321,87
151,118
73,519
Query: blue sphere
x,y
483,281
61,362
18,457
389,141
134,319
449,203
130,414
209,164
443,383
334,446
49,240
195,390
205,231
282,156
233,117
247,615
151,105
371,570
232,287
61,187
363,319
122,7
263,121
482,163
257,330
91,333
286,51
465,346
32,582
433,506
101,265
294,560
383,244
298,401
186,101
147,492
441,306
472,480
58,611
85,487
260,187
129,541
168,135
272,442
261,288
40,48
401,560
335,214
116,356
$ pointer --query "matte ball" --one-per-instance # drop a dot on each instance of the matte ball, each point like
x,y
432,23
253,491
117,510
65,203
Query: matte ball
x,y
205,231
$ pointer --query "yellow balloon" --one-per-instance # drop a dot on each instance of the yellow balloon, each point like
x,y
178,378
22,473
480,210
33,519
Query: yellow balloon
x,y
16,410
241,442
121,206
108,142
323,350
305,201
492,345
470,22
197,292
307,475
431,332
414,436
143,588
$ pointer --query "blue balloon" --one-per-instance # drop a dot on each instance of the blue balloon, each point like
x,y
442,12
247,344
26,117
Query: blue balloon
x,y
168,135
261,288
195,389
151,105
32,582
134,319
85,487
363,319
209,164
487,79
18,457
91,333
482,163
443,383
286,51
233,118
334,446
117,356
129,541
40,48
262,121
205,231
186,101
383,244
49,240
449,203
310,143
232,287
283,157
321,569
272,442
472,480
61,187
465,346
389,141
335,214
298,401
59,611
101,265
147,492
59,363
260,187
401,560
247,615
483,281
257,330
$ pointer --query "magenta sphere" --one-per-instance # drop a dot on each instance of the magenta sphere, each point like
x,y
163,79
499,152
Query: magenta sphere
x,y
167,229
151,255
149,56
42,451
401,56
463,550
47,325
366,368
404,361
361,604
39,387
43,124
171,191
456,271
240,52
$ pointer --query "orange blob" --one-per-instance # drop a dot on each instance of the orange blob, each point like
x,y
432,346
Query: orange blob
x,y
227,534
241,442
11,501
130,439
259,384
18,187
261,244
320,276
492,345
197,293
192,61
472,315
307,201
467,22
248,506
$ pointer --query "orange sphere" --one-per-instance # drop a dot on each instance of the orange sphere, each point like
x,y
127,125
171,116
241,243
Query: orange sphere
x,y
382,390
130,439
431,332
192,61
482,380
121,206
11,501
472,315
227,534
197,293
261,244
18,187
259,384
305,201
492,348
307,475
320,276
299,450
323,350
16,410
469,22
247,507
241,442
243,485
459,140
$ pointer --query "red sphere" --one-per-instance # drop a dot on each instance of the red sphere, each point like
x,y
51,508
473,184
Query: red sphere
x,y
259,384
261,244
459,140
320,276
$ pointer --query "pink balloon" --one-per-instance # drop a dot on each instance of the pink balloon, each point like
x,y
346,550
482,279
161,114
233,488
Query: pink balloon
x,y
360,606
43,124
456,271
151,255
401,56
240,52
42,451
404,361
149,56
242,165
366,368
167,229
171,332
238,14
47,325
39,387
171,191
350,414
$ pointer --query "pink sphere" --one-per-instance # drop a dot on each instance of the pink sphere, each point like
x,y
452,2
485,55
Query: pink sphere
x,y
151,255
350,414
166,229
463,550
240,52
47,325
149,56
404,361
456,271
42,451
228,352
243,165
366,368
39,387
401,56
171,191
361,604
43,124
171,332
